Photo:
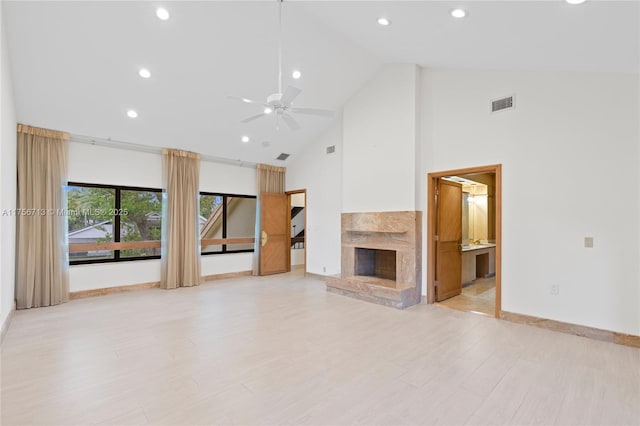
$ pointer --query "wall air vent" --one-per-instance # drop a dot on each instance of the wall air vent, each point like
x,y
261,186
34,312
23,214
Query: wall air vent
x,y
502,104
283,156
331,149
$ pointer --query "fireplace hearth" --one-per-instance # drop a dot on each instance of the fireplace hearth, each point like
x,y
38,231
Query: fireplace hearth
x,y
380,258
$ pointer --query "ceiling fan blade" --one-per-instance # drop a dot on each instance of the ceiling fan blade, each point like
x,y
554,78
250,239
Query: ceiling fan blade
x,y
291,122
253,117
313,111
245,100
290,93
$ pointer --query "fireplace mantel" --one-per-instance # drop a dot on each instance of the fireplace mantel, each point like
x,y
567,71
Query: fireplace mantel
x,y
396,231
391,222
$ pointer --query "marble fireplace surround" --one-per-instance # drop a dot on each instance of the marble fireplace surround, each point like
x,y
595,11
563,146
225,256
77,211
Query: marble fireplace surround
x,y
398,231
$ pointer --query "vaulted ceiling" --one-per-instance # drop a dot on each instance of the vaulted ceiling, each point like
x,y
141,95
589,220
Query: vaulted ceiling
x,y
75,64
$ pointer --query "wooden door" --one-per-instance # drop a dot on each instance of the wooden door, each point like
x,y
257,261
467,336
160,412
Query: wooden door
x,y
274,233
448,239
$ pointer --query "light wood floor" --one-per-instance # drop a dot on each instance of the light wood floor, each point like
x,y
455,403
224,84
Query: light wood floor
x,y
479,297
281,350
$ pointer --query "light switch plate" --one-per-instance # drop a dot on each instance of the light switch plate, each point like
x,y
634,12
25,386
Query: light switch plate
x,y
588,242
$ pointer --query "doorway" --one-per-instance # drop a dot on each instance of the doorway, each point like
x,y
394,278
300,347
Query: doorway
x,y
297,229
464,217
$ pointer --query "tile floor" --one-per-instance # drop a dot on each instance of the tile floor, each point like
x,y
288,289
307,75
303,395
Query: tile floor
x,y
281,350
479,297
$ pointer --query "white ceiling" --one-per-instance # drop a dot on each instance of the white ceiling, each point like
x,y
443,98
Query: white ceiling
x,y
75,63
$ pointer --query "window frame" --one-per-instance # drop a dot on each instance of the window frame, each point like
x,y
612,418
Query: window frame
x,y
116,221
224,220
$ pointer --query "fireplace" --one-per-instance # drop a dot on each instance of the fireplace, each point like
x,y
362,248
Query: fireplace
x,y
375,263
381,258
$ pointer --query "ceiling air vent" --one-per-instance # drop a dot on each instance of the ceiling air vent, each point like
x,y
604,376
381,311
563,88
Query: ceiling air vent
x,y
283,156
501,104
331,149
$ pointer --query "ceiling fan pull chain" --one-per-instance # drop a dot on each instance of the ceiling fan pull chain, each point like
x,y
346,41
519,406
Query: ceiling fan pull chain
x,y
280,46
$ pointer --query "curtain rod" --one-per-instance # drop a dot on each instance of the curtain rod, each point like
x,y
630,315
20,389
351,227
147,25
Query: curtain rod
x,y
110,143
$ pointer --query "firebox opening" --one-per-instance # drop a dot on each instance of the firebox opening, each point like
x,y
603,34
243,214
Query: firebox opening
x,y
376,263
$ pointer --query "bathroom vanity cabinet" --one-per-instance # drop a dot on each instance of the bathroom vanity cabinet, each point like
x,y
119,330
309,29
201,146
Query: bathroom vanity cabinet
x,y
478,261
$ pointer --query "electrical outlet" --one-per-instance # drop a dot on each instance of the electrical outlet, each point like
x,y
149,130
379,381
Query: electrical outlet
x,y
324,269
554,290
588,242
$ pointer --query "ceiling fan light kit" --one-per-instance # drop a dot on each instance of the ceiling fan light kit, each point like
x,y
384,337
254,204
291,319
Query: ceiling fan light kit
x,y
280,102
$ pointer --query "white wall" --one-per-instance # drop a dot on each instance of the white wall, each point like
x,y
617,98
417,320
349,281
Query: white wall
x,y
570,169
297,257
226,263
321,175
106,165
380,142
7,183
102,275
114,166
227,178
297,200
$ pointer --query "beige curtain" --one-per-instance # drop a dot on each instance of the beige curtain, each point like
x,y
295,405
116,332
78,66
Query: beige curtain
x,y
180,230
42,277
269,179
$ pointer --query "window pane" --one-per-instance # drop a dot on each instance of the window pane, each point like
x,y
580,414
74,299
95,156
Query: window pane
x,y
90,220
140,220
241,221
208,204
211,221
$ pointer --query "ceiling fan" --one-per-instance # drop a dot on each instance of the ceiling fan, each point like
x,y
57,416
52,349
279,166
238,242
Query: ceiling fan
x,y
280,103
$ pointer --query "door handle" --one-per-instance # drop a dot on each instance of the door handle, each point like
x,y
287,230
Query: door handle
x,y
263,239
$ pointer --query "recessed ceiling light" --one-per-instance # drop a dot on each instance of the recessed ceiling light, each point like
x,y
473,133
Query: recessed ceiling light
x,y
144,73
132,114
268,110
162,13
384,22
296,74
575,1
245,139
458,13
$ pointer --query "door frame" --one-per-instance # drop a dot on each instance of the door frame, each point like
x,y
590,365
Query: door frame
x,y
289,193
496,169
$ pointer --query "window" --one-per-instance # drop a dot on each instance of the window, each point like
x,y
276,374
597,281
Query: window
x,y
142,221
118,223
113,223
89,220
227,223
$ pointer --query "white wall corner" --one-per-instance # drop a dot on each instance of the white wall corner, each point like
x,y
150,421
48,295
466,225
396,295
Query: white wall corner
x,y
8,182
